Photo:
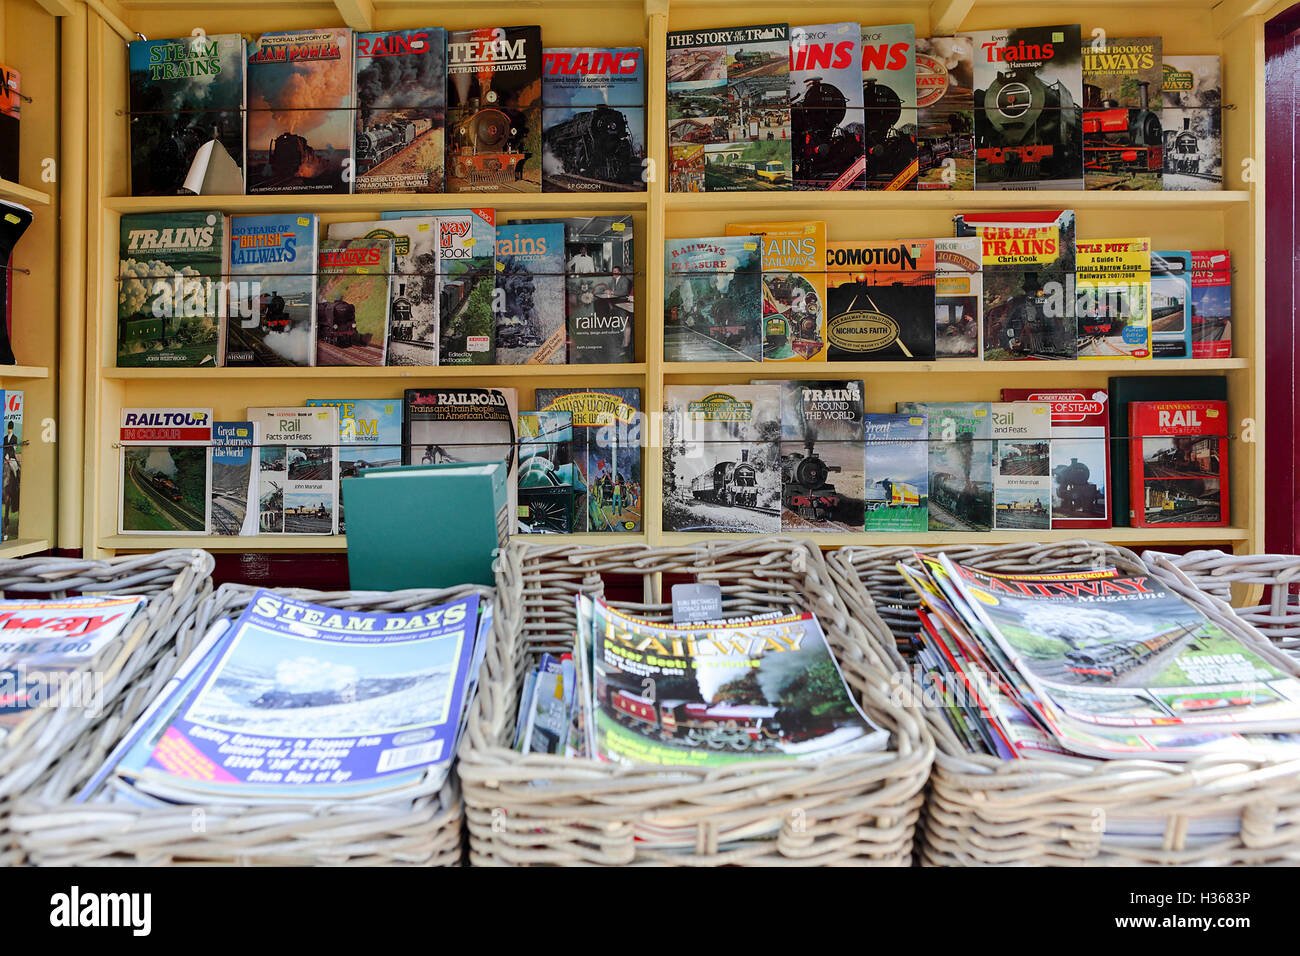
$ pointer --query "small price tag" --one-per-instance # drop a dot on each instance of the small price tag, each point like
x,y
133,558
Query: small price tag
x,y
422,227
696,602
304,221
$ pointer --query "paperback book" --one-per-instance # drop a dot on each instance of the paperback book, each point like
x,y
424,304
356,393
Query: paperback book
x,y
1079,453
11,476
1171,305
467,287
1211,304
822,481
165,480
401,110
958,297
713,299
881,300
1123,138
370,435
449,425
1193,122
234,478
352,301
530,294
1022,474
827,119
945,115
889,104
897,472
599,291
548,496
1178,464
273,261
794,288
960,463
1113,307
593,119
298,470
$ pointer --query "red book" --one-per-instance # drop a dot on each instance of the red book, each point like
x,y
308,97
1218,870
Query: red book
x,y
1211,304
1178,464
1080,453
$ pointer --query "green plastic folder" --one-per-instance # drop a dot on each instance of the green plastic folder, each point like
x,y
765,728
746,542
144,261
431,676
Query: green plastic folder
x,y
425,526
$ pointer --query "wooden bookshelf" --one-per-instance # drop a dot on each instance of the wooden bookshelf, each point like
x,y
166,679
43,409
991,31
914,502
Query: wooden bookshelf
x,y
1231,218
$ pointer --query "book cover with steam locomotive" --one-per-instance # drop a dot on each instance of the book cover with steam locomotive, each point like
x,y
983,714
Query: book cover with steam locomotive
x,y
352,298
1178,464
794,288
273,263
11,476
300,115
370,435
1028,108
889,106
234,478
960,463
721,467
945,114
298,469
826,108
1123,138
401,110
1171,304
165,475
170,312
1028,275
548,502
822,485
713,299
1022,473
413,312
593,119
1211,303
494,110
1193,122
607,440
441,425
1080,453
466,283
958,297
184,93
530,294
1113,309
897,472
881,299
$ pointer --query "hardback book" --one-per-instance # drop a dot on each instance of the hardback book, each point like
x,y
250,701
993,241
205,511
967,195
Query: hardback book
x,y
1034,145
945,114
187,125
165,478
300,112
530,294
960,463
11,103
370,435
494,110
413,312
170,312
466,288
1022,474
958,297
401,114
607,439
599,267
460,425
352,299
1028,276
235,476
889,106
1113,305
1211,304
593,119
1080,454
794,288
822,455
11,477
546,473
1178,464
881,300
273,261
1123,137
1193,122
897,472
713,299
826,108
298,469
721,468
1171,305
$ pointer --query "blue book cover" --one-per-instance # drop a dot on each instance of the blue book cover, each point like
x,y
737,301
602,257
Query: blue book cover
x,y
272,290
233,477
370,434
897,472
593,119
529,301
1171,305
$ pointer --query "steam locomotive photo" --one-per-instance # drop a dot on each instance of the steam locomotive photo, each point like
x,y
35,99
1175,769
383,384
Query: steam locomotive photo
x,y
822,149
378,143
1121,139
1030,129
1101,660
804,489
697,724
728,483
1185,150
517,325
595,145
336,323
889,150
486,147
1021,325
1078,497
170,159
290,153
960,496
401,325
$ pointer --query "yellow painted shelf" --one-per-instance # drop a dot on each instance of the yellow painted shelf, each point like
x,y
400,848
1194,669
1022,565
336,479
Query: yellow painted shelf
x,y
308,542
968,366
198,376
23,194
23,371
383,202
955,200
1121,536
23,546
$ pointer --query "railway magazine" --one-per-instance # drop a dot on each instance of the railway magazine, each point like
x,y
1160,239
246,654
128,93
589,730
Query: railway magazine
x,y
1171,304
881,302
713,299
298,469
370,435
1113,305
897,475
829,150
1123,137
165,480
1178,464
794,288
441,425
11,475
1022,474
549,499
945,115
273,261
593,119
529,302
958,297
352,299
1193,122
821,455
234,478
1211,303
889,104
960,463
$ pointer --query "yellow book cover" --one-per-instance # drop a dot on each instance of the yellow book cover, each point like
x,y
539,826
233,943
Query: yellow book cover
x,y
1113,298
794,288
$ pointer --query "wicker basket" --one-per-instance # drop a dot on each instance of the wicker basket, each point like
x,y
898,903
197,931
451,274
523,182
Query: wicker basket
x,y
1065,811
545,809
427,831
79,737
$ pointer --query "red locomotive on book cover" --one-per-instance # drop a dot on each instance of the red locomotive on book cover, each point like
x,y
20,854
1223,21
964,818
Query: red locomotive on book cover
x,y
1178,464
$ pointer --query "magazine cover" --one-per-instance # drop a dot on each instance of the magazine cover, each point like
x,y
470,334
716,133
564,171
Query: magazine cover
x,y
1211,303
1022,472
170,312
958,297
1178,464
1080,453
794,288
370,435
897,473
721,467
185,94
273,295
1193,122
494,110
462,424
607,440
11,476
826,109
530,294
352,300
298,470
881,300
466,288
165,478
401,110
548,498
300,112
599,268
821,455
1123,138
723,692
234,478
889,103
1171,305
1028,108
593,119
960,464
1113,311
1028,272
713,299
945,116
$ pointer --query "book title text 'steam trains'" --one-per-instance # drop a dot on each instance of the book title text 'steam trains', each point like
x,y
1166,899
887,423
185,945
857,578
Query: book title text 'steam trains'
x,y
1032,127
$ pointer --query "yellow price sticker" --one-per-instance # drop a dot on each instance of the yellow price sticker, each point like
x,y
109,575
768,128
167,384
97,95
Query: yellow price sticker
x,y
304,221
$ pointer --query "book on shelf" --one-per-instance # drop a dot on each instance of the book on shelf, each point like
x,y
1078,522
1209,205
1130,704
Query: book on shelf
x,y
273,267
466,288
461,425
960,463
165,476
1211,304
352,301
11,477
529,302
1171,304
945,115
794,288
548,476
826,108
11,110
593,119
713,299
298,469
370,435
897,472
1113,298
235,475
889,103
1022,465
881,302
1123,138
1178,464
958,297
1193,122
